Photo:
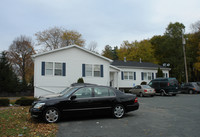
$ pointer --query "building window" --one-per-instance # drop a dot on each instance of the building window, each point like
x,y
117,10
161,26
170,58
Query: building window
x,y
88,70
129,75
97,71
53,69
58,69
126,75
147,76
49,68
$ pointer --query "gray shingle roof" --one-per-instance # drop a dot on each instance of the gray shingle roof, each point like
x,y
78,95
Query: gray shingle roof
x,y
120,63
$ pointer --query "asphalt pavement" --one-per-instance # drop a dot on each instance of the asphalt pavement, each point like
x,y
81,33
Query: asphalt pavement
x,y
170,116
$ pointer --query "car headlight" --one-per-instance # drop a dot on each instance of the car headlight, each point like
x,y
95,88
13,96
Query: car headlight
x,y
39,105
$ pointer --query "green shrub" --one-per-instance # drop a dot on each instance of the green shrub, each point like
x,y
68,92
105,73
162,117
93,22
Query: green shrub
x,y
80,80
143,83
23,101
4,102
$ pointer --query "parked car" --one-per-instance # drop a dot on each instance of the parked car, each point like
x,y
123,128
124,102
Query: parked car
x,y
165,86
85,99
143,90
190,88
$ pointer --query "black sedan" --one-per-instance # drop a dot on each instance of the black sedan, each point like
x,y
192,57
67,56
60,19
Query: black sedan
x,y
84,99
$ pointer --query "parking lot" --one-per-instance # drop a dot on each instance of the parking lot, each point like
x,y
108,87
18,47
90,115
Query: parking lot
x,y
173,116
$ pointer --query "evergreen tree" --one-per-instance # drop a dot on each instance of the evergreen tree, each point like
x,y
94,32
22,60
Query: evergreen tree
x,y
8,80
160,73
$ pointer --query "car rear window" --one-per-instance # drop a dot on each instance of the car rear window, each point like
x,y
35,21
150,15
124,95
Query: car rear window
x,y
145,86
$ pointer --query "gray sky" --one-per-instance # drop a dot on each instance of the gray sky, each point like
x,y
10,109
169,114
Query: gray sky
x,y
107,22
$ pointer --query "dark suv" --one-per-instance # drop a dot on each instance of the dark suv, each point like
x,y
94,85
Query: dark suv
x,y
190,88
165,86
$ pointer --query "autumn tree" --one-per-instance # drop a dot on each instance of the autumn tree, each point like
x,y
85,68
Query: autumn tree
x,y
134,51
19,54
70,37
169,49
58,37
193,52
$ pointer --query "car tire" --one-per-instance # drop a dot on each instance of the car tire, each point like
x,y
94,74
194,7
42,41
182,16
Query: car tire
x,y
141,94
118,111
190,91
51,115
162,93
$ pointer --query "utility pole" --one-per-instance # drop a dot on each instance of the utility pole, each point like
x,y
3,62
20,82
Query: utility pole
x,y
185,62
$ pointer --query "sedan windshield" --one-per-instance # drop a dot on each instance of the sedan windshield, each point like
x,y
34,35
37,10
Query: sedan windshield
x,y
69,91
65,90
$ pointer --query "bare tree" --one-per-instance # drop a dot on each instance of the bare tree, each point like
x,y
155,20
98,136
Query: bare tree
x,y
196,26
93,46
51,38
19,54
56,37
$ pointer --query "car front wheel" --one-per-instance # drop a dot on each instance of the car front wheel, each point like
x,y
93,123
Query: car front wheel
x,y
118,111
52,115
190,92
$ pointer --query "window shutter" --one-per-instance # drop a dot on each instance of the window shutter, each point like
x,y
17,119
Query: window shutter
x,y
101,70
134,75
64,69
122,75
142,75
152,75
43,68
83,70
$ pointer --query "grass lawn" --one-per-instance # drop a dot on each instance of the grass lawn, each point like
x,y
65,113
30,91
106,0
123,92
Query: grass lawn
x,y
16,121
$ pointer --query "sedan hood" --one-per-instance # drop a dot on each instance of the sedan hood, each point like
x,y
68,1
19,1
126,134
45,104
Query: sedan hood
x,y
51,96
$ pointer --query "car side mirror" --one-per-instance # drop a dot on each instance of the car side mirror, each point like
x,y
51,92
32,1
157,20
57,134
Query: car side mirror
x,y
73,97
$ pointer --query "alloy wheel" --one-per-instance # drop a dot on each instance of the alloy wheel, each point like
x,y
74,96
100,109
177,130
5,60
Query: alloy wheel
x,y
52,115
118,111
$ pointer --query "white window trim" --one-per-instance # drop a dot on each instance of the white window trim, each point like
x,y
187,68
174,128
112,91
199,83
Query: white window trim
x,y
147,78
86,69
93,71
54,69
129,74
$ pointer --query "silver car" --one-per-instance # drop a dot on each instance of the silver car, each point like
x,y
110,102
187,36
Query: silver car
x,y
143,90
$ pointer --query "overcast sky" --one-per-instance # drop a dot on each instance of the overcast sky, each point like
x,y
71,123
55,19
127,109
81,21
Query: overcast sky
x,y
107,22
